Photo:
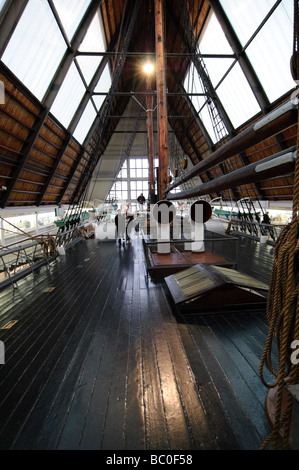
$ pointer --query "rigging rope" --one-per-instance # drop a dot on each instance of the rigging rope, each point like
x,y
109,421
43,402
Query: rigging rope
x,y
48,241
283,306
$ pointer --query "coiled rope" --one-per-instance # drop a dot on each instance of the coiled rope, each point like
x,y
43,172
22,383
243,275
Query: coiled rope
x,y
283,305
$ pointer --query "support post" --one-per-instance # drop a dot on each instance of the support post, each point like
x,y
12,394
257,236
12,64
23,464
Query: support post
x,y
150,136
161,100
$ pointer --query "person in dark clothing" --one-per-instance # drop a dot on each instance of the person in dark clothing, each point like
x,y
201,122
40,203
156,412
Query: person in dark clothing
x,y
120,226
266,219
141,201
129,218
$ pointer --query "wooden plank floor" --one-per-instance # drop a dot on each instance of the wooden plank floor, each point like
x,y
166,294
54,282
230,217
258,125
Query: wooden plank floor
x,y
98,359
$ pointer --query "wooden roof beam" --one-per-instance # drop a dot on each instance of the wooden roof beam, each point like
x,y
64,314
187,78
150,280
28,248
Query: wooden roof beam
x,y
280,118
279,164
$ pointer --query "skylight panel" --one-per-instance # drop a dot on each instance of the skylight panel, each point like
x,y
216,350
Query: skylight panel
x,y
271,50
70,14
99,100
213,41
2,3
36,48
105,81
192,84
103,86
229,82
68,97
233,90
246,16
85,123
237,97
88,66
93,42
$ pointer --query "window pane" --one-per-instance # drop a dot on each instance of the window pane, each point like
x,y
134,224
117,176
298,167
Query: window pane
x,y
36,48
2,3
205,116
234,91
93,42
103,86
123,173
88,66
70,14
245,18
271,50
213,40
192,84
217,68
69,97
85,123
237,97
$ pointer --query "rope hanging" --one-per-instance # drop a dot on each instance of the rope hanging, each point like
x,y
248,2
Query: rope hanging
x,y
283,307
48,241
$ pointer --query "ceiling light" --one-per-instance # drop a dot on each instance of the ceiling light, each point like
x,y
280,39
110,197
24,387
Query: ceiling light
x,y
148,68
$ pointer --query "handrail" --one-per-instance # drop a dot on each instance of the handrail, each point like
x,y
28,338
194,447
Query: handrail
x,y
23,259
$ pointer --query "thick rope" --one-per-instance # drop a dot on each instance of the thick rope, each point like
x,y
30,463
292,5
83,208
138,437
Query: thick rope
x,y
282,308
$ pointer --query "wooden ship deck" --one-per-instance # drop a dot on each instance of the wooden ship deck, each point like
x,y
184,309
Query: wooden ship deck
x,y
96,358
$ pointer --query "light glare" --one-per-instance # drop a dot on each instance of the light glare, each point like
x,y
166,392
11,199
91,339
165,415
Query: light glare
x,y
148,67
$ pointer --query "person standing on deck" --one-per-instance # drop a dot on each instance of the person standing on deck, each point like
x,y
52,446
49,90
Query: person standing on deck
x,y
266,219
129,218
141,201
120,226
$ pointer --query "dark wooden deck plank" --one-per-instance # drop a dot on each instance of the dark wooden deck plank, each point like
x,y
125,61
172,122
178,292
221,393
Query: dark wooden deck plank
x,y
243,357
215,411
200,433
51,348
245,432
156,425
242,375
83,370
103,361
177,429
